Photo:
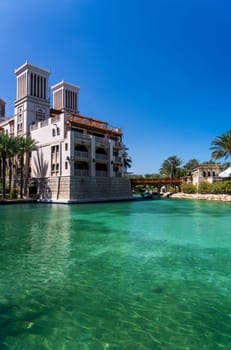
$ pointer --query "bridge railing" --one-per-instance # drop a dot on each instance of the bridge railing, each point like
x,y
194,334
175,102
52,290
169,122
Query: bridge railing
x,y
157,181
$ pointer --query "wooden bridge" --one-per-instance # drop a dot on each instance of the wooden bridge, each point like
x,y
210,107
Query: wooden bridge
x,y
158,182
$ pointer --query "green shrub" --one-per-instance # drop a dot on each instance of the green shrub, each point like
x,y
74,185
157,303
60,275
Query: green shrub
x,y
218,188
188,188
13,193
205,188
225,186
173,189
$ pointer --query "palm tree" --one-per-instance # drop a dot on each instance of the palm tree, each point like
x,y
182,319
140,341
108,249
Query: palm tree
x,y
222,146
12,152
224,166
4,146
7,151
211,161
25,146
171,167
190,165
127,160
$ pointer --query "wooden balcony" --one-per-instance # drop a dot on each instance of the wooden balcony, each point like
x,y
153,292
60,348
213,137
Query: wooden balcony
x,y
93,124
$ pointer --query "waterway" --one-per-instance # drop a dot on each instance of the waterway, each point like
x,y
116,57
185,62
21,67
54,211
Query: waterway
x,y
129,276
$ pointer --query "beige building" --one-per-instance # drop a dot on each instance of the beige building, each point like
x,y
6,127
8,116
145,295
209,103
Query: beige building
x,y
78,158
205,172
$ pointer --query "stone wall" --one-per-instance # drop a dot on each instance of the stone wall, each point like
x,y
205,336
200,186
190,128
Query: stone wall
x,y
198,196
86,189
83,189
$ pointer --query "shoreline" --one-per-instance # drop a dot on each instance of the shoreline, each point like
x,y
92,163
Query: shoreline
x,y
199,196
179,195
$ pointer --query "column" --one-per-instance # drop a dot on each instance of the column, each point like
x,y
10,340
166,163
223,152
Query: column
x,y
92,157
111,158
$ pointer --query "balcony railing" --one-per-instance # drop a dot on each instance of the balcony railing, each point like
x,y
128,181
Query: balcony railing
x,y
118,159
81,172
101,173
101,140
81,154
99,156
93,123
82,137
118,144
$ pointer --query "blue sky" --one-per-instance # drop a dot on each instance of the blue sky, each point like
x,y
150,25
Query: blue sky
x,y
160,69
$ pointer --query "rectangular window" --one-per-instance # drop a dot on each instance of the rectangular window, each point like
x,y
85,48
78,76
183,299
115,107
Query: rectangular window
x,y
19,126
66,165
55,149
66,146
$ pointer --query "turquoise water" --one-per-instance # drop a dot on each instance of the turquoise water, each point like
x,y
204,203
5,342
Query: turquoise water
x,y
131,275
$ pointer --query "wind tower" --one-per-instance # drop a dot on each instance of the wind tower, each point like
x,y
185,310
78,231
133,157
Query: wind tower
x,y
32,97
65,97
2,109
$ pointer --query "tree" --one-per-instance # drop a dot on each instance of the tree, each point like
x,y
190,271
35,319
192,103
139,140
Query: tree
x,y
171,167
190,165
151,176
12,152
211,161
127,160
25,145
221,146
224,166
7,151
4,146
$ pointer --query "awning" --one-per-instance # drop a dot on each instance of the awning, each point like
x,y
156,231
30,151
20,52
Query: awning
x,y
226,173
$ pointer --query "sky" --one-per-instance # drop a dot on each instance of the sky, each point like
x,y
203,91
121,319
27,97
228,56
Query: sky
x,y
159,69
